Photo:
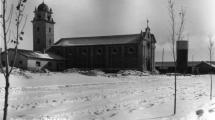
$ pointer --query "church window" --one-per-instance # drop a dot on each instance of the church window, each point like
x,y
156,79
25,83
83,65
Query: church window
x,y
20,62
84,52
38,41
50,29
49,64
148,45
70,51
11,62
39,16
3,63
114,51
57,51
38,29
99,51
50,41
131,50
37,63
49,17
70,54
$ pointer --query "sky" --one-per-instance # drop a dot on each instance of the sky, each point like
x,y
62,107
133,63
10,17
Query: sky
x,y
76,18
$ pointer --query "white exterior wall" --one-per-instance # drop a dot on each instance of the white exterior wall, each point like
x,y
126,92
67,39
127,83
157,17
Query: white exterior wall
x,y
31,64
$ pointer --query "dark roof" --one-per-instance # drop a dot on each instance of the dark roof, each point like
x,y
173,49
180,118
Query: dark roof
x,y
207,63
101,40
38,55
43,7
171,64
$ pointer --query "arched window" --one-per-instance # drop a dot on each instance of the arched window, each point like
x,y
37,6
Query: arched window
x,y
99,51
49,64
39,16
114,51
57,51
38,40
49,17
20,62
11,62
84,52
50,42
131,50
38,29
38,64
3,63
148,45
70,51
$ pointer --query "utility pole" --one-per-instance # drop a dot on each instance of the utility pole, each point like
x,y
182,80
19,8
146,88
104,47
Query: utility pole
x,y
192,65
162,59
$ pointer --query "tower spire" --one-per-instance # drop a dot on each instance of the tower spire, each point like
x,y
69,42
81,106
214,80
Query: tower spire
x,y
147,23
147,28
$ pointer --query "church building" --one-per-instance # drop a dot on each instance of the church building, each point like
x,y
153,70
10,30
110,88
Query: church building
x,y
115,52
108,53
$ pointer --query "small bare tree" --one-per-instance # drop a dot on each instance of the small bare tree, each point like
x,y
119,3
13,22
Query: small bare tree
x,y
175,35
211,44
6,21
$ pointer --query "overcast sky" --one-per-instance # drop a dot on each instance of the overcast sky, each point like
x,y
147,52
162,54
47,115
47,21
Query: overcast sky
x,y
75,18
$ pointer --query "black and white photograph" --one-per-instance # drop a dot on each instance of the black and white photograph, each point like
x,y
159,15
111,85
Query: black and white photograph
x,y
107,60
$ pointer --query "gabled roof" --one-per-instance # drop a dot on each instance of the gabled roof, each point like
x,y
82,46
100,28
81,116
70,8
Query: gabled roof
x,y
207,63
99,40
102,40
38,55
190,63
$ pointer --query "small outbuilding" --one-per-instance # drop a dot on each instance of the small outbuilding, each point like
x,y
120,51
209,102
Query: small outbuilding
x,y
194,67
35,61
205,67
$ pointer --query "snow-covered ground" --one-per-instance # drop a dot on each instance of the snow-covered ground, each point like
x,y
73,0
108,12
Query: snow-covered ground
x,y
73,96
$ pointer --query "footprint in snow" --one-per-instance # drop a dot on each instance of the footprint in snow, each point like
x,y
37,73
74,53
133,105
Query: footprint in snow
x,y
149,105
98,112
131,110
183,98
107,109
142,102
21,116
200,112
114,114
211,110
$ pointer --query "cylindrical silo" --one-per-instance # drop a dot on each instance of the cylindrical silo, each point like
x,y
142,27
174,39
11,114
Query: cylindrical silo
x,y
182,56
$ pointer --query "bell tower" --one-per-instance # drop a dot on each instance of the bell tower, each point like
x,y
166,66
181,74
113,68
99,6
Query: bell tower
x,y
43,28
